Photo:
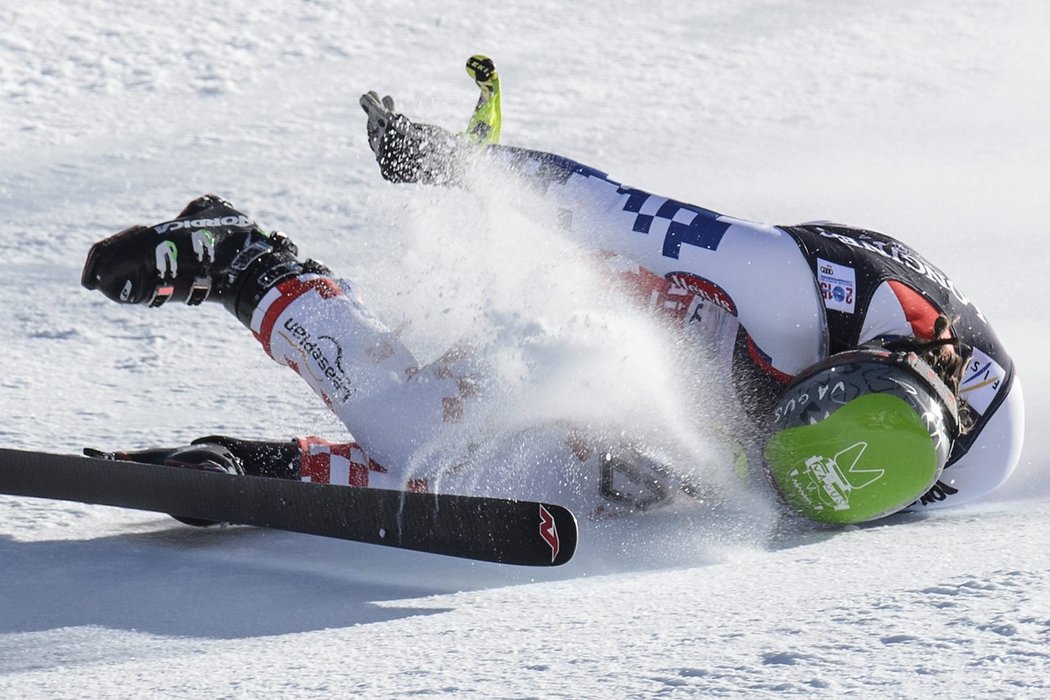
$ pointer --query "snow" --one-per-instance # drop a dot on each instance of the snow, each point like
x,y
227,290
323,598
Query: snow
x,y
926,120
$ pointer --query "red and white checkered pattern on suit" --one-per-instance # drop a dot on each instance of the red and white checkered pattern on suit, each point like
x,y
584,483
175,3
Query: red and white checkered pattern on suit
x,y
325,462
346,464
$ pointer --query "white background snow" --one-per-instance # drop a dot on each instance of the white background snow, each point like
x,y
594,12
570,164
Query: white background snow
x,y
928,120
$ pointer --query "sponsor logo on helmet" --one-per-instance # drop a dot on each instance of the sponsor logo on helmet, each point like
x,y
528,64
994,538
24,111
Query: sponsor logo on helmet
x,y
809,404
125,293
827,482
838,286
549,532
703,288
180,224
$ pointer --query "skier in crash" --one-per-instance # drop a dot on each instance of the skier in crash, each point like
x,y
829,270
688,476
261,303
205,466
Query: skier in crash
x,y
870,382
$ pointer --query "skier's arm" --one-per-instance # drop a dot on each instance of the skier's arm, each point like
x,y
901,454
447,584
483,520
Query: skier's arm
x,y
410,152
725,256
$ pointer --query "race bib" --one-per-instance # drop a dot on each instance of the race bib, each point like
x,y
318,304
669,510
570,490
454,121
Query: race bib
x,y
838,285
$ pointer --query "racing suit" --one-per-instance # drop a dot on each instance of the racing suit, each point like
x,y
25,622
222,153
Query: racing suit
x,y
768,300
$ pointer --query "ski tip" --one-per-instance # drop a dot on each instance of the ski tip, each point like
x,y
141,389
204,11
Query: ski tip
x,y
558,530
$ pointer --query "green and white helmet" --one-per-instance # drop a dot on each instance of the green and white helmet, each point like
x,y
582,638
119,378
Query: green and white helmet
x,y
860,435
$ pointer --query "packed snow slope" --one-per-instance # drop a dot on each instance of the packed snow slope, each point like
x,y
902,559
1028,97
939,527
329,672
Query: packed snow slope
x,y
927,120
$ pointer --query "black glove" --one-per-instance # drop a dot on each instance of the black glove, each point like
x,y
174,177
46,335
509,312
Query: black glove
x,y
409,152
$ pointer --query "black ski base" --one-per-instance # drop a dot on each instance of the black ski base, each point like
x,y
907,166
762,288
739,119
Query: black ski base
x,y
486,529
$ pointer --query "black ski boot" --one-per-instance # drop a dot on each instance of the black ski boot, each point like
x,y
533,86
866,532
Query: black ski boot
x,y
208,457
211,251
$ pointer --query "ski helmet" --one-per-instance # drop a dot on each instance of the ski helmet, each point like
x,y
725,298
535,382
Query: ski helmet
x,y
860,435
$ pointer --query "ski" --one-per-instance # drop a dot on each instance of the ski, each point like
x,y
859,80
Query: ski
x,y
498,530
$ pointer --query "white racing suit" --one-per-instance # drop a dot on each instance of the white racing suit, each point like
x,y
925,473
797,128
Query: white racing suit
x,y
773,300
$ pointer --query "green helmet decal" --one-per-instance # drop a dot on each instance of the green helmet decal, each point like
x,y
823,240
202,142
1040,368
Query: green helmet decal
x,y
869,458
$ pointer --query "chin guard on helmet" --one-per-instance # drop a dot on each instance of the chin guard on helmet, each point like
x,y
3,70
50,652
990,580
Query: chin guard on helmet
x,y
860,435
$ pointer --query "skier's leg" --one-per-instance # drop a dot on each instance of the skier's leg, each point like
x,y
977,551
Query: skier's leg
x,y
303,317
318,326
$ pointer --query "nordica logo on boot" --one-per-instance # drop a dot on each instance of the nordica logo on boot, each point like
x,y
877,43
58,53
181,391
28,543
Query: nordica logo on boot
x,y
203,244
828,482
167,259
241,220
